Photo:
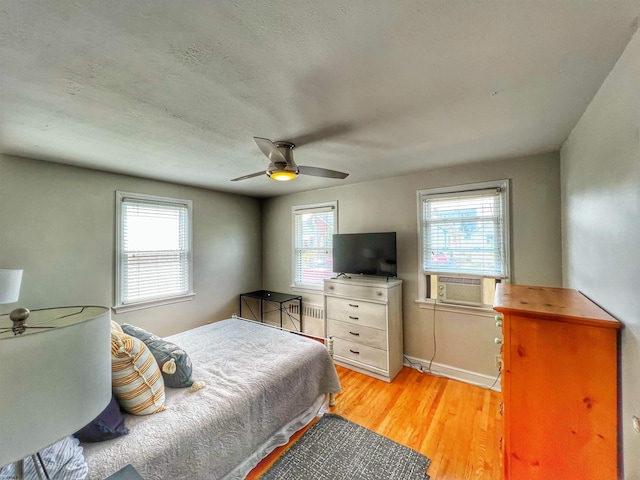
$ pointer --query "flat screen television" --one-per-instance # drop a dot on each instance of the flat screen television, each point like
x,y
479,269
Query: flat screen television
x,y
365,254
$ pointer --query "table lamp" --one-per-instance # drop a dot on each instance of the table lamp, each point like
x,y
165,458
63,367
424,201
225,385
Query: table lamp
x,y
10,281
55,375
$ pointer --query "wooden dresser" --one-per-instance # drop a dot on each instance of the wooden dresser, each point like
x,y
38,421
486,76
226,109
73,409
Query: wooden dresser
x,y
364,316
559,385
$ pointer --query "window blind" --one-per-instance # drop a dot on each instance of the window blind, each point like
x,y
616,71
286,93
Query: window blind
x,y
463,233
313,245
154,250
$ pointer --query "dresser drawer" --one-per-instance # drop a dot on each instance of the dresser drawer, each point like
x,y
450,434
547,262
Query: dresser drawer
x,y
354,311
373,337
360,353
356,291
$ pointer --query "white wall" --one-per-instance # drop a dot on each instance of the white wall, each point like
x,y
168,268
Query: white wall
x,y
600,171
464,341
58,224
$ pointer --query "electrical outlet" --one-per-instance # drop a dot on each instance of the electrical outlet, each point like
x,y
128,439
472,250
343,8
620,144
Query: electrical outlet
x,y
498,361
636,423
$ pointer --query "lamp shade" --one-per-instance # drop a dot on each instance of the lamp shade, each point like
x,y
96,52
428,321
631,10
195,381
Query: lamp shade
x,y
10,281
53,381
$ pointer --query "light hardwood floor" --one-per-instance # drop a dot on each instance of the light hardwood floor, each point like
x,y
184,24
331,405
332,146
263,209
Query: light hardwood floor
x,y
458,426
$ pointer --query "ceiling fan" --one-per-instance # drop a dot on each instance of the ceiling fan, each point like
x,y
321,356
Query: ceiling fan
x,y
282,166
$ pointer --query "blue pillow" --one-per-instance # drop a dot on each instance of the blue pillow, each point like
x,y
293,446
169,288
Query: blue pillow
x,y
109,424
174,362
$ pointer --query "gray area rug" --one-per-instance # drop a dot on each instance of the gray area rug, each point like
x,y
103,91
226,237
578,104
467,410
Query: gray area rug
x,y
335,449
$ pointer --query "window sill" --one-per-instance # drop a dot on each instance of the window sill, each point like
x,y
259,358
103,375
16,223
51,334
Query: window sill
x,y
152,303
431,304
306,289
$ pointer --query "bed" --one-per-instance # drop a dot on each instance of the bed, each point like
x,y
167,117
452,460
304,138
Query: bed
x,y
262,385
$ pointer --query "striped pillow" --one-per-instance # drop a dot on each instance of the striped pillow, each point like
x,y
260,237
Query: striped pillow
x,y
116,326
136,378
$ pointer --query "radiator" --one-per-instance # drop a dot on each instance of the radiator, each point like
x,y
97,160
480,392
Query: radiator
x,y
308,311
312,318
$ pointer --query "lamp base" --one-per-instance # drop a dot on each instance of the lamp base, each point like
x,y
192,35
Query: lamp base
x,y
18,317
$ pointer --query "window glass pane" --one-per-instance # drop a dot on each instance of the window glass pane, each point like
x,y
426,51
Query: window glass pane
x,y
313,266
154,249
149,227
313,245
464,235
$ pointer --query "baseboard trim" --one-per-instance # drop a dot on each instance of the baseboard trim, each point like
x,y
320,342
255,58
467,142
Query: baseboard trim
x,y
455,373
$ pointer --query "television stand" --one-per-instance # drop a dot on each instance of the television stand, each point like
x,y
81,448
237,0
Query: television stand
x,y
364,317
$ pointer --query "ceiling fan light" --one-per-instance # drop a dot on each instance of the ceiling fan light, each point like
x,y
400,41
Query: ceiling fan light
x,y
283,175
282,171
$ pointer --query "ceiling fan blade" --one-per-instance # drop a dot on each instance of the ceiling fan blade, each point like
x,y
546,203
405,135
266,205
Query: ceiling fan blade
x,y
322,172
320,134
251,175
270,150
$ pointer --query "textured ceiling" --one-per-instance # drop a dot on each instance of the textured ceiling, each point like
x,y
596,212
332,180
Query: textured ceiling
x,y
176,90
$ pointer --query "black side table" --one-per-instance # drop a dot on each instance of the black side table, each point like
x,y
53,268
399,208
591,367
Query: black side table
x,y
274,299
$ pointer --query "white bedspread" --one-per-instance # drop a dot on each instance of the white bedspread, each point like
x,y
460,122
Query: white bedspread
x,y
259,379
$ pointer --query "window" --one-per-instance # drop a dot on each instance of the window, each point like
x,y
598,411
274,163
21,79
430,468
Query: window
x,y
153,259
464,231
313,229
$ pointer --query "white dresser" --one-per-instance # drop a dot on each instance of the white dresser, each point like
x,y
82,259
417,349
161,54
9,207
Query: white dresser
x,y
364,317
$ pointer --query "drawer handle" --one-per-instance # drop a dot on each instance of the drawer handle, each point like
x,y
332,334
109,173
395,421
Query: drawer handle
x,y
353,351
353,318
354,306
354,333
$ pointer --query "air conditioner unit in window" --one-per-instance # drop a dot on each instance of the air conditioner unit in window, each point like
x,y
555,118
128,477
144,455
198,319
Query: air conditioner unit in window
x,y
460,290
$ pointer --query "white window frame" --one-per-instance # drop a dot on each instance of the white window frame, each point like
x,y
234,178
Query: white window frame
x,y
503,185
305,208
120,306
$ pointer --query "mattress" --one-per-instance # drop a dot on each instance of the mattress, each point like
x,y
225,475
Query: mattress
x,y
262,384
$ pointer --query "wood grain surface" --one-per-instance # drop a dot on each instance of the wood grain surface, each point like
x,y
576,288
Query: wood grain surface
x,y
457,425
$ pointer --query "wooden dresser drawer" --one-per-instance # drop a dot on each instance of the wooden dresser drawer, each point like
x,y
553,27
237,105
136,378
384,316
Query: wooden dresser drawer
x,y
365,292
360,353
373,337
355,311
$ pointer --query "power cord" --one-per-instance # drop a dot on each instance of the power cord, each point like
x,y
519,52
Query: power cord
x,y
490,387
428,370
435,344
417,365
